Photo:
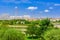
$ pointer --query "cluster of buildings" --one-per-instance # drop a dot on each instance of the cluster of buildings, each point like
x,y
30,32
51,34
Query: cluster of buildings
x,y
8,17
26,17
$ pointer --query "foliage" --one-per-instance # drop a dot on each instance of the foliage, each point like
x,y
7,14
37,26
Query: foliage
x,y
31,30
2,26
45,22
45,25
38,31
7,33
35,29
37,22
53,34
12,34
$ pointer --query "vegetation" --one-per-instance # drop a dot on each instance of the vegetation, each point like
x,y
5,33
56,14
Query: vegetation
x,y
31,31
53,34
36,30
10,34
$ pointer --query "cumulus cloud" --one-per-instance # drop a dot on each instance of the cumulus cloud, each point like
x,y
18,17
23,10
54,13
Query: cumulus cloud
x,y
56,4
46,11
32,8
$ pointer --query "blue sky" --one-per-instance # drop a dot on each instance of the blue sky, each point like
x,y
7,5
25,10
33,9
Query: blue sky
x,y
33,8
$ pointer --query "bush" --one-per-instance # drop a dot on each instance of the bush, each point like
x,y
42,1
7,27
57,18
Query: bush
x,y
3,28
53,34
7,33
12,34
31,31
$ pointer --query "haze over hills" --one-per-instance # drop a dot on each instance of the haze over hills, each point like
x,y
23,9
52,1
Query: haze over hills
x,y
7,17
26,17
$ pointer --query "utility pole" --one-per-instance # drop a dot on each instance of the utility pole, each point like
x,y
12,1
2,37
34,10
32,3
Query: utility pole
x,y
16,11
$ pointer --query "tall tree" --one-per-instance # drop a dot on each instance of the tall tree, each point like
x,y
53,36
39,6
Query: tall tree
x,y
45,24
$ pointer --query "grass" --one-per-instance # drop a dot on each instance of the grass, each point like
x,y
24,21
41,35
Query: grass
x,y
32,39
26,38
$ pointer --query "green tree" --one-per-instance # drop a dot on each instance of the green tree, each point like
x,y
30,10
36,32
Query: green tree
x,y
45,25
31,30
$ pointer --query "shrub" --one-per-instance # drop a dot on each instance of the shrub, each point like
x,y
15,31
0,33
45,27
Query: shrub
x,y
53,34
31,31
12,34
3,28
7,33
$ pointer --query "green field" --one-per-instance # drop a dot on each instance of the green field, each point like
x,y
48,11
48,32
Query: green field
x,y
29,30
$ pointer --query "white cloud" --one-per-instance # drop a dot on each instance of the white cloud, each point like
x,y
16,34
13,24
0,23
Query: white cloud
x,y
46,11
32,8
56,4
